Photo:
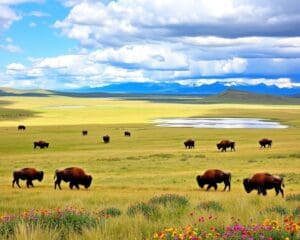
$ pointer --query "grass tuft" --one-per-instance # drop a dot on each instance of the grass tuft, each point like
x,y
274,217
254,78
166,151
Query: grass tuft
x,y
210,206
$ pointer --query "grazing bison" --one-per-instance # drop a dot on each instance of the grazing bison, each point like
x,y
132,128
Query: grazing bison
x,y
21,128
106,139
76,176
189,143
265,143
224,144
127,134
263,181
28,174
212,177
84,132
40,144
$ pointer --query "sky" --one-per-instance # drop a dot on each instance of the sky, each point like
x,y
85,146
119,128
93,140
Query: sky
x,y
71,44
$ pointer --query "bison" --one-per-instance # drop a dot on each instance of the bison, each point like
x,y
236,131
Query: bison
x,y
212,177
263,181
28,174
40,144
224,144
265,143
21,128
189,143
106,139
76,176
84,132
127,134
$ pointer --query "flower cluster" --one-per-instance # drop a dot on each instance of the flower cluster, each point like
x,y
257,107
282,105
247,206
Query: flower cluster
x,y
287,229
72,219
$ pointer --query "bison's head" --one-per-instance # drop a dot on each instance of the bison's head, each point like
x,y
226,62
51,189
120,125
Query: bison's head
x,y
40,175
219,145
247,185
200,181
88,181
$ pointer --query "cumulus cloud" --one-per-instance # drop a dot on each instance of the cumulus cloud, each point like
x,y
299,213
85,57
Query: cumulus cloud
x,y
154,19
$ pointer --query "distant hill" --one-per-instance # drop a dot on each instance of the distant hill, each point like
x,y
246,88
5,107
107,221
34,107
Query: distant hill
x,y
16,92
235,96
226,96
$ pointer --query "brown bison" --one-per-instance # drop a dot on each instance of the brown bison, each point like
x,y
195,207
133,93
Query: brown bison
x,y
76,176
263,181
224,144
106,139
127,134
21,128
212,177
28,174
84,132
40,144
265,143
189,143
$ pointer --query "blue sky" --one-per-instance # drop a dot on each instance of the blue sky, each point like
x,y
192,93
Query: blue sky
x,y
65,44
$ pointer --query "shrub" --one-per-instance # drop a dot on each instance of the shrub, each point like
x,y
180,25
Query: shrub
x,y
148,210
170,199
211,205
277,209
293,197
110,212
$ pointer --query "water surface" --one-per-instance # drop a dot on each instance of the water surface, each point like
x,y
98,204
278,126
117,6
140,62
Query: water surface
x,y
218,123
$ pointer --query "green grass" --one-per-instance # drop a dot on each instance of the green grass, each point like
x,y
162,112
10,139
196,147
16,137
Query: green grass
x,y
148,165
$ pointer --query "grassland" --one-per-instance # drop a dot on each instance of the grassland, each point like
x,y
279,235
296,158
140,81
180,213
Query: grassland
x,y
150,163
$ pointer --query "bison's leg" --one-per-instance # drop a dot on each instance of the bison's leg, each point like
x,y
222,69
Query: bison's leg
x,y
215,186
57,183
71,185
208,187
13,182
29,183
279,189
264,192
77,186
17,182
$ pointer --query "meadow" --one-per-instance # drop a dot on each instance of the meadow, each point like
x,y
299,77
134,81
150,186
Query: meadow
x,y
128,172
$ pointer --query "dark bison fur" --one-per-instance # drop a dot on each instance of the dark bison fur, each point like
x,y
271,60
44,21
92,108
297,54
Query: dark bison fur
x,y
84,132
28,174
40,144
21,128
106,139
265,143
263,181
76,176
189,143
224,144
213,176
127,134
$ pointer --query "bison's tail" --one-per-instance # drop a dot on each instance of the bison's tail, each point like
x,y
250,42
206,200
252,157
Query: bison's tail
x,y
229,175
282,183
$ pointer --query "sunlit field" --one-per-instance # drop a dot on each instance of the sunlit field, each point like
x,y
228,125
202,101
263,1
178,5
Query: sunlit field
x,y
152,162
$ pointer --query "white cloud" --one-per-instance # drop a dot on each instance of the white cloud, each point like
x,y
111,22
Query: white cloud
x,y
142,56
39,14
11,48
7,17
217,67
15,67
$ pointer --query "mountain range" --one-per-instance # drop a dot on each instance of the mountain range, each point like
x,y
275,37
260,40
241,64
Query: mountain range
x,y
178,89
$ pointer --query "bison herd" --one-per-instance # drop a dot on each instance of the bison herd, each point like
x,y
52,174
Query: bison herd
x,y
224,144
76,176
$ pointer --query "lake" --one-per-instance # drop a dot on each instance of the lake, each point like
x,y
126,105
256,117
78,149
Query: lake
x,y
218,123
